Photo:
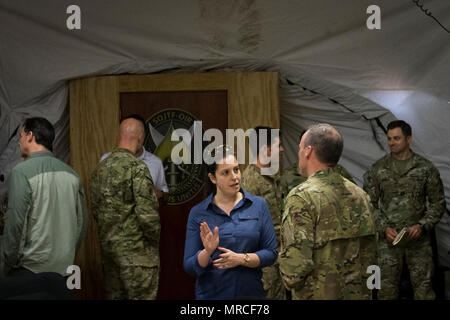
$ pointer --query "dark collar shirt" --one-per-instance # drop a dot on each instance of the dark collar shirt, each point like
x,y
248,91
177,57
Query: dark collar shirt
x,y
248,229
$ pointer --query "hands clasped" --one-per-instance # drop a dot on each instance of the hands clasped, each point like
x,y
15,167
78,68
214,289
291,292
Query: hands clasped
x,y
414,231
227,260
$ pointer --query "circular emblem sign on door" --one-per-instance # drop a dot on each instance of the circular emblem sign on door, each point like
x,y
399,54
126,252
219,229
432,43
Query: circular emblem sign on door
x,y
185,181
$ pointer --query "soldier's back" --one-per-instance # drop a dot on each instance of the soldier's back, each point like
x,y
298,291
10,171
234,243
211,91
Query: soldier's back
x,y
343,172
345,243
113,201
111,183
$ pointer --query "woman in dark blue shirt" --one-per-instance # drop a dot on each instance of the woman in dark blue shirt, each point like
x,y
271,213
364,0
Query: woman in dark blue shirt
x,y
227,261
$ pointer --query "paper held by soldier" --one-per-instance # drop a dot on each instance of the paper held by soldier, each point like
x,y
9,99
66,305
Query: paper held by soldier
x,y
401,238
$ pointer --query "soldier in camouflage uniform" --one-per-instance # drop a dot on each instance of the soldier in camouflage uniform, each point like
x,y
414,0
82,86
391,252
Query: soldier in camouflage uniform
x,y
328,236
269,187
126,210
291,178
399,185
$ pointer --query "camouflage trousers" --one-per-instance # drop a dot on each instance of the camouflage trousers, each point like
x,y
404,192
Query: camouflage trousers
x,y
418,257
273,285
130,282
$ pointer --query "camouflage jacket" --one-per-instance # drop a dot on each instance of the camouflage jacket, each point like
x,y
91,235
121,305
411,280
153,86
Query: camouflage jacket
x,y
401,197
268,187
328,239
291,178
126,210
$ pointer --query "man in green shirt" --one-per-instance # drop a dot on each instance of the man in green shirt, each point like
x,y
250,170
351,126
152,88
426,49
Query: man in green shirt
x,y
47,217
400,184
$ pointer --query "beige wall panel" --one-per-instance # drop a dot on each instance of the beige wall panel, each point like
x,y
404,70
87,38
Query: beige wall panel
x,y
254,100
175,82
94,118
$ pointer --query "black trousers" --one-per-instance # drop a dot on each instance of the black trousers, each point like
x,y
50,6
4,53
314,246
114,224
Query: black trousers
x,y
22,284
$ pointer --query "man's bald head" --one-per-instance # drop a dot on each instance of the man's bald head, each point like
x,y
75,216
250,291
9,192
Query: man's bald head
x,y
131,128
131,134
326,141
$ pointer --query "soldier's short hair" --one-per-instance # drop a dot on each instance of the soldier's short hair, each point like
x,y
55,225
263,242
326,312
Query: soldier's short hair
x,y
406,128
42,130
326,141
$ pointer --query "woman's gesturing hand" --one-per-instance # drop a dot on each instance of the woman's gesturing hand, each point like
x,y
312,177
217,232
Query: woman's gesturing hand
x,y
210,241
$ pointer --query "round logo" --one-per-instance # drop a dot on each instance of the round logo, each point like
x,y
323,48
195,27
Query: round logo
x,y
183,180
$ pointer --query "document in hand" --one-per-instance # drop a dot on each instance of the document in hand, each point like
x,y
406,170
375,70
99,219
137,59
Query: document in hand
x,y
401,238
